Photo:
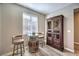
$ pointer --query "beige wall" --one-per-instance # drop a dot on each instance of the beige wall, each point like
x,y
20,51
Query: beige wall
x,y
12,24
0,28
68,24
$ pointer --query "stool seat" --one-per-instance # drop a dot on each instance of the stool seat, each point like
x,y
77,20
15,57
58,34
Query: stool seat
x,y
18,41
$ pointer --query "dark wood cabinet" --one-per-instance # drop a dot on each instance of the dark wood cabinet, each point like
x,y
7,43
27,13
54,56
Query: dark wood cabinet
x,y
55,32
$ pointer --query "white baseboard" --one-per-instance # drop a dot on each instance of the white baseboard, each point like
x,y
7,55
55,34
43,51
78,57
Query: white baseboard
x,y
69,50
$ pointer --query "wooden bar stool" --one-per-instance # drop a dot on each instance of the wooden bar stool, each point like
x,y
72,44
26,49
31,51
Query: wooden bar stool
x,y
18,41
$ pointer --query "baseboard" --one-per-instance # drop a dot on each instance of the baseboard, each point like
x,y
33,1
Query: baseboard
x,y
69,50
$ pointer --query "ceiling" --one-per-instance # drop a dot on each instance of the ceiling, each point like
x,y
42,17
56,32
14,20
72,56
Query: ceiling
x,y
45,8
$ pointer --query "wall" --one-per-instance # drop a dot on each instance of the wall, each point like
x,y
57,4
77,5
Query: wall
x,y
68,13
12,24
0,28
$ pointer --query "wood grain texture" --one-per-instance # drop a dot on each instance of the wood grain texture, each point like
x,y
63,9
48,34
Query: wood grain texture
x,y
55,35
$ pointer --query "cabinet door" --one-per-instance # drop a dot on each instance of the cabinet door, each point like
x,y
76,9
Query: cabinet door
x,y
49,41
58,32
56,39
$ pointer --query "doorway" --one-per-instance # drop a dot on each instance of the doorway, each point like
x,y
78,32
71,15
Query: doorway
x,y
76,31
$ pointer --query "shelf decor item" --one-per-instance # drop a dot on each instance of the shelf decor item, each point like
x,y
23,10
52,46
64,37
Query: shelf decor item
x,y
55,32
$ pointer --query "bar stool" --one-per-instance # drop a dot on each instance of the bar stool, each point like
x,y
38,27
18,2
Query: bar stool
x,y
18,41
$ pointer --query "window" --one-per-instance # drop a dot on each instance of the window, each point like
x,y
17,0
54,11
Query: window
x,y
30,24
